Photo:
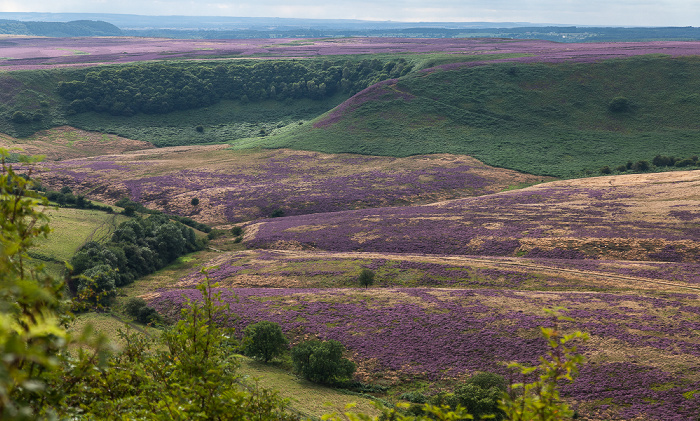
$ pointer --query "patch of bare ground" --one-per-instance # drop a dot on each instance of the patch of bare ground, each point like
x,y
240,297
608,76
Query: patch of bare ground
x,y
67,142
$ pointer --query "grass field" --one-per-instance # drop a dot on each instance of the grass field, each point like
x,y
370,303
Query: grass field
x,y
550,119
71,229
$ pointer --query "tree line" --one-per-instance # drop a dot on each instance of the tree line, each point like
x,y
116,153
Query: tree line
x,y
138,247
156,88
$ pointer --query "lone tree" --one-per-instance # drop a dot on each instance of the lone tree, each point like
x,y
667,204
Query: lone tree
x,y
322,361
264,341
366,278
194,201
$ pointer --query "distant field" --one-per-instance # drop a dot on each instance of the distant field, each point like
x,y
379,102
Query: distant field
x,y
71,229
240,185
45,53
222,122
66,142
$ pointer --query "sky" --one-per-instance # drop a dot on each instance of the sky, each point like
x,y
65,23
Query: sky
x,y
574,12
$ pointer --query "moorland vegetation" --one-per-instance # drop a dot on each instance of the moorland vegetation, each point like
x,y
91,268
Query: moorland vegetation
x,y
457,282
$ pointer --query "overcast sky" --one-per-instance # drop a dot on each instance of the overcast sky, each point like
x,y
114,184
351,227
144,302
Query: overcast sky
x,y
577,12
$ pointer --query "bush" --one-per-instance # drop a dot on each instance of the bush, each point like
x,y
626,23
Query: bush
x,y
414,397
322,361
619,104
194,201
148,315
366,278
264,341
133,306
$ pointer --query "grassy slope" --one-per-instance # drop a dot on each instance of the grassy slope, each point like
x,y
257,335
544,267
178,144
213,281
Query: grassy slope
x,y
72,228
538,118
222,122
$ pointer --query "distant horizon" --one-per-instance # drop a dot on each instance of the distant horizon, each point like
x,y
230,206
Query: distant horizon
x,y
465,23
605,13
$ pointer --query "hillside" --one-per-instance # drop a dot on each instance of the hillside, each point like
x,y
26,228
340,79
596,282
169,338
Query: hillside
x,y
233,186
554,119
628,217
75,28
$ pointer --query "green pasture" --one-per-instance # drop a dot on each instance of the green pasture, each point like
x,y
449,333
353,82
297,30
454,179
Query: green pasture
x,y
71,229
546,119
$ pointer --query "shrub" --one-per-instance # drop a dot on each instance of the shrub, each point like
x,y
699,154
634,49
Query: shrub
x,y
366,278
322,361
194,201
605,170
237,230
148,315
685,162
414,397
641,166
200,129
264,341
20,117
619,104
134,305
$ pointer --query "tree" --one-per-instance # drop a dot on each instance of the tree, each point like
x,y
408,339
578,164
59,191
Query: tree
x,y
480,395
366,278
322,361
194,201
30,305
264,341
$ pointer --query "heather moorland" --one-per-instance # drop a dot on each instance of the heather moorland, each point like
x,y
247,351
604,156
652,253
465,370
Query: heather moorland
x,y
478,180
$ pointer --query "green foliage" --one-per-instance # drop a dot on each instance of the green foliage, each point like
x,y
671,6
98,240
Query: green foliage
x,y
322,361
264,341
548,119
237,230
138,247
156,88
194,201
414,397
366,278
192,375
480,395
30,302
141,312
619,104
539,399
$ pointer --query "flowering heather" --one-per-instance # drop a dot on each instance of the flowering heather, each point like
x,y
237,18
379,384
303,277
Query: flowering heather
x,y
437,334
42,53
235,186
571,219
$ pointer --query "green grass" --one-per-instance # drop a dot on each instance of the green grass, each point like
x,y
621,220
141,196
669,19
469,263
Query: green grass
x,y
71,229
222,122
306,397
547,119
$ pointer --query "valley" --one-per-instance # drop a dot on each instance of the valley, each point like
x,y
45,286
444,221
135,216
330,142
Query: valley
x,y
467,175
